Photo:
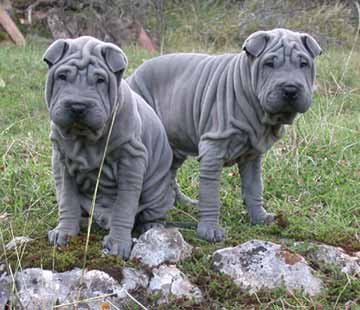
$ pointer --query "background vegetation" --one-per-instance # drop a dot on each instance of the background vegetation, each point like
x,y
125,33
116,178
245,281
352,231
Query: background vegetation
x,y
311,177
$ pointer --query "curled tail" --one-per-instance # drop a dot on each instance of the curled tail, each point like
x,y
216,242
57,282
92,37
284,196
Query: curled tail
x,y
181,197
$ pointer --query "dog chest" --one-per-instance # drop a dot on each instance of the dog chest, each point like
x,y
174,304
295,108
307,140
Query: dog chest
x,y
82,161
86,179
242,147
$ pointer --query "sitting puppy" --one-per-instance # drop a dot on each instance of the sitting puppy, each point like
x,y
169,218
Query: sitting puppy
x,y
85,93
230,109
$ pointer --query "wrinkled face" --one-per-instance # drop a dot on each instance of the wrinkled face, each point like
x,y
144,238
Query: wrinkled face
x,y
80,102
283,74
82,86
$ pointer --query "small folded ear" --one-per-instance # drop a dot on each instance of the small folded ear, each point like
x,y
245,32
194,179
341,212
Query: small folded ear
x,y
311,45
255,44
55,52
115,58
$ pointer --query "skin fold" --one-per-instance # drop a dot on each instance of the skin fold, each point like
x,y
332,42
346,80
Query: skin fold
x,y
230,109
84,92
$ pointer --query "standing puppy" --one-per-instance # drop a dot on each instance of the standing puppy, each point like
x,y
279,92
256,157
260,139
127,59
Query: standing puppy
x,y
230,109
84,92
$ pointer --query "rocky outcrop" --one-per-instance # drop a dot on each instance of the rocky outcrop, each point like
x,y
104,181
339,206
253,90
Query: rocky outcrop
x,y
161,245
16,242
253,265
323,254
43,289
256,265
171,282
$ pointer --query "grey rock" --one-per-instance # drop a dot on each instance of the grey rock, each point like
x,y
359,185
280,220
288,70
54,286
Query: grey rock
x,y
5,290
257,264
133,279
39,289
170,281
328,254
42,289
160,245
17,241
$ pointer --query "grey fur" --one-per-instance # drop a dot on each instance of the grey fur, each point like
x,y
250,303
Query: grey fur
x,y
230,109
83,87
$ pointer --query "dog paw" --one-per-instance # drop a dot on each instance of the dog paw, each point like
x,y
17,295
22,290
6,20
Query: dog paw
x,y
210,232
117,247
60,236
103,220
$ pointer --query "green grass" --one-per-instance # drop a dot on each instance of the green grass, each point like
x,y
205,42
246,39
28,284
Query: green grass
x,y
223,25
311,178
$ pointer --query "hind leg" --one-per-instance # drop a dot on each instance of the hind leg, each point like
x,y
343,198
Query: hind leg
x,y
179,195
153,213
102,215
150,218
144,227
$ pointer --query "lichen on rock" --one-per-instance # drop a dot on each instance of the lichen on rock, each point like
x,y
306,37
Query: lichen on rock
x,y
256,264
161,245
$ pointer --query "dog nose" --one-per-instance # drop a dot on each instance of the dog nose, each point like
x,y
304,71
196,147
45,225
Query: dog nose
x,y
77,108
290,91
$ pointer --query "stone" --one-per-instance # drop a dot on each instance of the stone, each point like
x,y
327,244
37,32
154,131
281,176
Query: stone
x,y
161,245
330,255
17,241
257,264
5,289
133,279
170,281
42,289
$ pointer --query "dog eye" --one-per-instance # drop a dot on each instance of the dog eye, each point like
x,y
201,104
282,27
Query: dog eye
x,y
100,80
62,76
269,64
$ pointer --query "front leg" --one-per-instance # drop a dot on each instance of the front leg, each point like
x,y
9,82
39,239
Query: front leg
x,y
209,199
252,188
131,172
68,202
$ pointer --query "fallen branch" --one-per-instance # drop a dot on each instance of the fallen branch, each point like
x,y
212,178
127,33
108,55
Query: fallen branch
x,y
10,27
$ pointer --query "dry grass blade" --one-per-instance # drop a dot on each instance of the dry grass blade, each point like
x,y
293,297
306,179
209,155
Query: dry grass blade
x,y
13,288
92,299
18,266
115,307
94,198
343,290
356,38
53,258
134,300
187,214
4,216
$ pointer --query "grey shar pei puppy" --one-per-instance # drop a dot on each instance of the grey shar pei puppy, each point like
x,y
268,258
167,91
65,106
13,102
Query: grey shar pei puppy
x,y
84,92
230,109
